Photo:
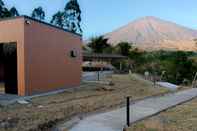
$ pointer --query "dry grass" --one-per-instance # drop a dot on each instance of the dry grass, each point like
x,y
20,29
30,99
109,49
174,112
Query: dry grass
x,y
45,112
2,88
181,118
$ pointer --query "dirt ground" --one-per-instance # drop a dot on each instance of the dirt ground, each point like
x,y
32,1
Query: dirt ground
x,y
181,118
44,112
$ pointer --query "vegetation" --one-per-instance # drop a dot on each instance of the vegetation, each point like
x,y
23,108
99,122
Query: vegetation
x,y
38,115
124,48
38,13
58,19
180,118
100,45
171,66
69,18
73,13
177,67
5,12
14,12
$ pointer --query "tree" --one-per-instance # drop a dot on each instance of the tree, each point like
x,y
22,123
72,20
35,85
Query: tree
x,y
13,12
58,19
38,13
69,18
1,8
72,13
124,48
4,12
99,44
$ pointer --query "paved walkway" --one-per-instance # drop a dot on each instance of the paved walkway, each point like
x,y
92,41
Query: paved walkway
x,y
115,120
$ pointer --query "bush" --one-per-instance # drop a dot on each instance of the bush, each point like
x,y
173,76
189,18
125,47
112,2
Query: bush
x,y
177,65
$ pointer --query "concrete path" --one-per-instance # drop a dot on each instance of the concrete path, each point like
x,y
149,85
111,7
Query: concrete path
x,y
93,76
6,99
115,120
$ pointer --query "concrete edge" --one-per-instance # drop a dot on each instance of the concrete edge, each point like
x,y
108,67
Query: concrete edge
x,y
163,110
28,98
75,119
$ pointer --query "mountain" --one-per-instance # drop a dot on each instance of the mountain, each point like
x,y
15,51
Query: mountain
x,y
151,33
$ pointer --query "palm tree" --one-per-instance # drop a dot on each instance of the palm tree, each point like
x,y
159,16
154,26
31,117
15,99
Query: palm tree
x,y
99,44
38,13
124,48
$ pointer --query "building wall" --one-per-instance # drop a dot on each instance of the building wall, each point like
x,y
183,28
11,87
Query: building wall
x,y
48,65
13,31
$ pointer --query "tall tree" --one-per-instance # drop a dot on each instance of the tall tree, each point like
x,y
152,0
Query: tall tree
x,y
4,12
99,44
69,18
72,14
38,13
58,19
1,8
13,12
124,48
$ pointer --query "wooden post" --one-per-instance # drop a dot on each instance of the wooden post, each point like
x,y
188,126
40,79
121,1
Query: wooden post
x,y
98,76
120,66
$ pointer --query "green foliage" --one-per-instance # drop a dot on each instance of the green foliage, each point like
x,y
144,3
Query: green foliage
x,y
69,18
73,16
57,19
123,48
177,65
38,13
3,9
124,64
100,45
5,12
13,12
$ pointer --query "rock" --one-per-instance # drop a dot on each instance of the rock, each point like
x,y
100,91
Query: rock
x,y
40,106
106,88
111,83
4,124
23,102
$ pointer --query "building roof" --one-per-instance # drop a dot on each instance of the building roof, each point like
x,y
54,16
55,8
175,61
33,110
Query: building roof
x,y
39,21
103,56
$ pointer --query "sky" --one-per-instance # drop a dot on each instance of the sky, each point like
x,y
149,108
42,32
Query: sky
x,y
103,16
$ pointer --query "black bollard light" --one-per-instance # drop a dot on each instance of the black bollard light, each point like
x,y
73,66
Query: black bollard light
x,y
128,111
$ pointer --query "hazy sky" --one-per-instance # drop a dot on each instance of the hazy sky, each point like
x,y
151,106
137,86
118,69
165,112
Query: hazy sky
x,y
102,16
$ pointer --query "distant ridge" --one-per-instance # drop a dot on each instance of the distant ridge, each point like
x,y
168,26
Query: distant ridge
x,y
151,33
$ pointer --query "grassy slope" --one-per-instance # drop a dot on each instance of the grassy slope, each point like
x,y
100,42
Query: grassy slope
x,y
45,112
181,118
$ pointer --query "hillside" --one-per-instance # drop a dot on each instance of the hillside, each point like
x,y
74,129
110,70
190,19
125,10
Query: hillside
x,y
153,34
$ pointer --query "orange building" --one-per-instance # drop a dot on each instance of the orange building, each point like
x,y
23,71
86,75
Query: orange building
x,y
36,57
